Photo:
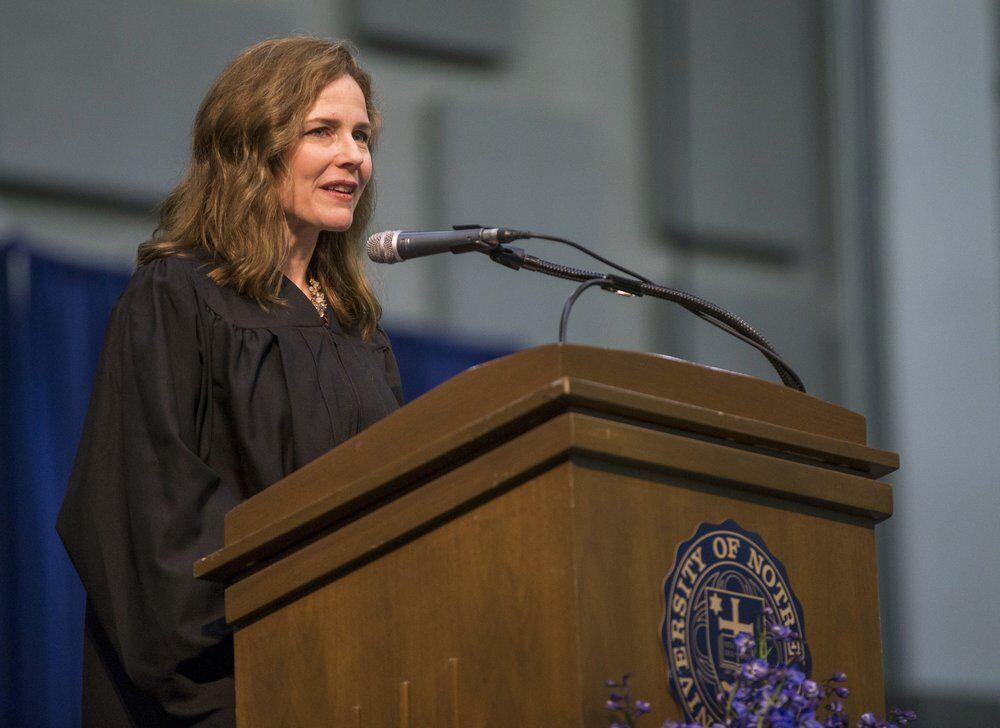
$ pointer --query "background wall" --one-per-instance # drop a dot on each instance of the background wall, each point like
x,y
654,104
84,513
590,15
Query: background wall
x,y
828,170
937,155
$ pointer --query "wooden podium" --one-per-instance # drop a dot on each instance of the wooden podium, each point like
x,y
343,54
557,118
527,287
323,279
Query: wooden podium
x,y
494,551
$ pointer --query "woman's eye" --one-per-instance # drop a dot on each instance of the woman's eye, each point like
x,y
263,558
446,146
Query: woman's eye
x,y
318,131
362,136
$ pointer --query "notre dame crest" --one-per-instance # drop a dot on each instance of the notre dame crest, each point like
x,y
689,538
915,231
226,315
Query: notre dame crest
x,y
724,581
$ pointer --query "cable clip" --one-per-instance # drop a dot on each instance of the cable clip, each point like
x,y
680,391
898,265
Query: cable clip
x,y
622,286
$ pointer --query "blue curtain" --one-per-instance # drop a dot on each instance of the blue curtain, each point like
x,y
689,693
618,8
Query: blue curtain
x,y
427,361
52,319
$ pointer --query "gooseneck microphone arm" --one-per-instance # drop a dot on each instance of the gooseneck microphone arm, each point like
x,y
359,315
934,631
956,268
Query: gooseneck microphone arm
x,y
396,245
716,315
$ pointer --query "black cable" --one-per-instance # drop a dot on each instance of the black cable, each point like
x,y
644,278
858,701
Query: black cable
x,y
787,374
731,324
700,301
719,317
706,310
591,253
688,300
568,306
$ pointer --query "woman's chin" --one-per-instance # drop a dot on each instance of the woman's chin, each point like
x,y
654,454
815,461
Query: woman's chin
x,y
337,224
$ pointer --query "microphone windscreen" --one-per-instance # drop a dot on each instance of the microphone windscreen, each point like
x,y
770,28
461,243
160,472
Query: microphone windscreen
x,y
380,248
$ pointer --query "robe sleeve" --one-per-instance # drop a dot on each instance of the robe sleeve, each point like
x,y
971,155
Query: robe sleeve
x,y
381,340
142,505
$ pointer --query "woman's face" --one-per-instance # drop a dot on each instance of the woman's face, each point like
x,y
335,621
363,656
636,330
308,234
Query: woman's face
x,y
331,164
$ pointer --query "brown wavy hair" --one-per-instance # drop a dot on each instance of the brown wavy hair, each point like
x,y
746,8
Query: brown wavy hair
x,y
228,203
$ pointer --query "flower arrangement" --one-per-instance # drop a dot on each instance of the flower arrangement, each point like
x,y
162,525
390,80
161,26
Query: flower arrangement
x,y
765,696
620,704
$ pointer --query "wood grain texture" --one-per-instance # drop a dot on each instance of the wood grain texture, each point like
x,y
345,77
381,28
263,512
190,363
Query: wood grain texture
x,y
454,700
543,592
505,466
689,418
491,587
474,394
404,704
469,437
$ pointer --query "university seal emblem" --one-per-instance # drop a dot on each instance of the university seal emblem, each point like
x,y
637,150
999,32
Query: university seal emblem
x,y
724,581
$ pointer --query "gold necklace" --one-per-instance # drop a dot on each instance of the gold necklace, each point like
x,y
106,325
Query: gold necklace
x,y
318,298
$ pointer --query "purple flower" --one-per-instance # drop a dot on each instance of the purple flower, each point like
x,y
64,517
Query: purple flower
x,y
780,632
739,708
811,689
755,669
903,717
778,696
744,644
780,718
794,676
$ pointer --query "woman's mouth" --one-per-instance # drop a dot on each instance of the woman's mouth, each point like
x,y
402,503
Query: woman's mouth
x,y
340,190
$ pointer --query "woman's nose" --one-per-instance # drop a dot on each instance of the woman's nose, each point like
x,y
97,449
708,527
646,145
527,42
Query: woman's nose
x,y
350,153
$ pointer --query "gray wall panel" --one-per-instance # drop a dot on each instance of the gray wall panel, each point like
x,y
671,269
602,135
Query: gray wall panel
x,y
468,29
530,168
102,99
739,131
939,169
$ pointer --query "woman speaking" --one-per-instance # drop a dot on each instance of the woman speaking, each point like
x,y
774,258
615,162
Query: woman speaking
x,y
245,345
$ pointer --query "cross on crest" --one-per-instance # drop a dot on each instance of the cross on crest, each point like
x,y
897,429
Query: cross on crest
x,y
730,613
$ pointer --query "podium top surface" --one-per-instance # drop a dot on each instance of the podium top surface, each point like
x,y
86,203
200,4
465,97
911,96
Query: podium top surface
x,y
476,397
486,405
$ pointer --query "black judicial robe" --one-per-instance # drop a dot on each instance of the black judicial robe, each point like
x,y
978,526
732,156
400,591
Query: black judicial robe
x,y
201,399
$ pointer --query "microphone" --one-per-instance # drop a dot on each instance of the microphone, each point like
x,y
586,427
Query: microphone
x,y
395,246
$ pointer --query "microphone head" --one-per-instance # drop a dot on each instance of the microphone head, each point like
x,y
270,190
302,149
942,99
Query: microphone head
x,y
381,247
